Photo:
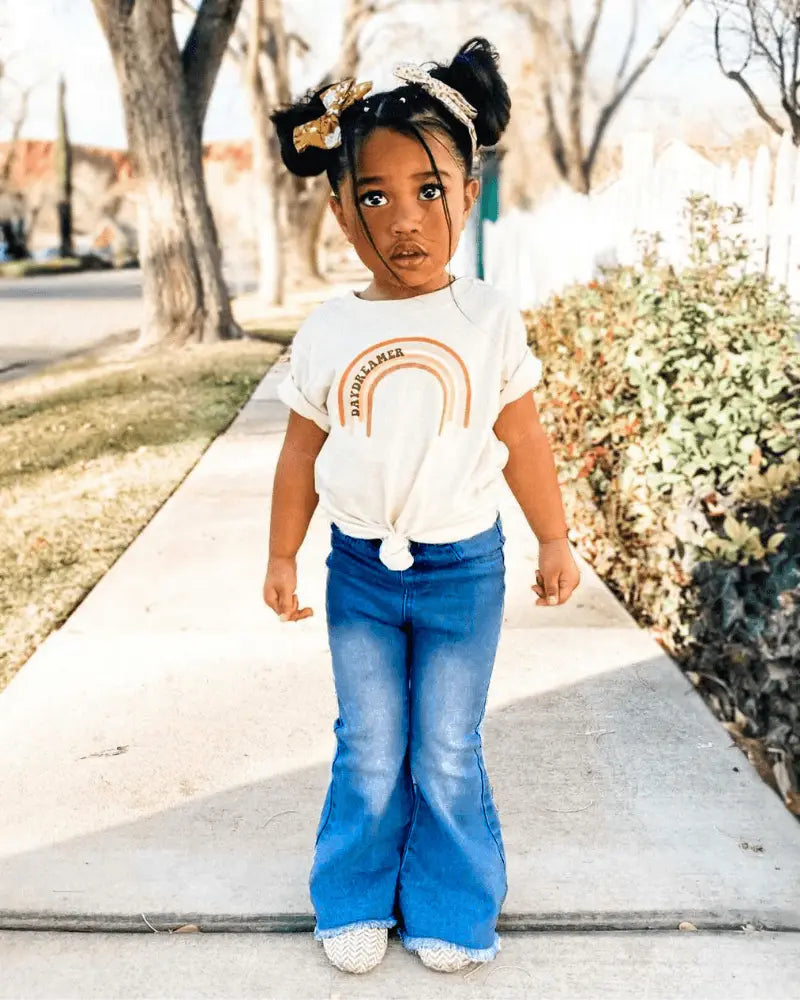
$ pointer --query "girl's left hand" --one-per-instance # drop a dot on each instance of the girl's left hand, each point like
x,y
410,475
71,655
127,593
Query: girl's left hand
x,y
558,574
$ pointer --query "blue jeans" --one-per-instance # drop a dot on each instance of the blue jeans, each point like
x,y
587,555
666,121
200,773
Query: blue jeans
x,y
409,835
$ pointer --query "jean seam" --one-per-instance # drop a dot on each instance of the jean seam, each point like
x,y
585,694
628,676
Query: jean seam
x,y
484,782
484,778
327,817
330,797
411,828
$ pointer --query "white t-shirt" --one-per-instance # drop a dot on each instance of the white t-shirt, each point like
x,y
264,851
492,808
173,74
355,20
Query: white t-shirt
x,y
409,391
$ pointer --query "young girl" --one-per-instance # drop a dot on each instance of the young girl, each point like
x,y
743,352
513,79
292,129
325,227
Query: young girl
x,y
409,402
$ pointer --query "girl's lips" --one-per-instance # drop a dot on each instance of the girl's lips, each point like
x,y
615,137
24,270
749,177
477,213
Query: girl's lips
x,y
407,251
412,260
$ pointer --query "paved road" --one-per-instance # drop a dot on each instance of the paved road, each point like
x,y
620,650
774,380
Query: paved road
x,y
43,319
47,318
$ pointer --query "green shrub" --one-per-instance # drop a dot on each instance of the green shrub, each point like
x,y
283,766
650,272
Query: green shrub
x,y
671,400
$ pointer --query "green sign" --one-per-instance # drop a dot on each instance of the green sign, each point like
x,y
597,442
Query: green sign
x,y
489,198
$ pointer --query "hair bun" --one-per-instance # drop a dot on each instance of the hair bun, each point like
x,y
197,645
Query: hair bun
x,y
474,72
312,160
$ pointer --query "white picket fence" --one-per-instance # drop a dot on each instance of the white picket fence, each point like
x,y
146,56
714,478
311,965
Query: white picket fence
x,y
534,255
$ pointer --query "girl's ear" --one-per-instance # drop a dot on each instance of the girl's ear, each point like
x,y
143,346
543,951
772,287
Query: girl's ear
x,y
471,190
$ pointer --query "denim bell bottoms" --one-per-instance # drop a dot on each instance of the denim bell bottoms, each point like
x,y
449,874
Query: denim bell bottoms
x,y
409,835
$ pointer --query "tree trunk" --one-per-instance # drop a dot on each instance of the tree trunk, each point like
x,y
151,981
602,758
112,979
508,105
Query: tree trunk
x,y
185,296
63,171
271,263
308,229
266,75
308,218
288,232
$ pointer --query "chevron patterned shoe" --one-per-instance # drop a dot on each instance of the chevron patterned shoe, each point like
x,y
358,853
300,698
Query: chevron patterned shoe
x,y
358,950
448,958
443,958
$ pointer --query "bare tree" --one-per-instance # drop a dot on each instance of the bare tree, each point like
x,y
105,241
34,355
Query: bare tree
x,y
266,75
17,214
765,34
62,156
13,110
165,93
290,210
260,45
564,54
306,220
306,213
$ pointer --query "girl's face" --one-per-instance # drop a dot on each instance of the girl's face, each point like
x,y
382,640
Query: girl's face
x,y
403,206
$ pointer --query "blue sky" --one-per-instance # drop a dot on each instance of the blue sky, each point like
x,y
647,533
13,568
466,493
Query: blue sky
x,y
52,36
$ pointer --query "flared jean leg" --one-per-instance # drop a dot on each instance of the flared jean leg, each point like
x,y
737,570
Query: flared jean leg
x,y
409,834
367,808
452,880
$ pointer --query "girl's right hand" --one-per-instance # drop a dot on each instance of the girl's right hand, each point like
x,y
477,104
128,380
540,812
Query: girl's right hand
x,y
280,585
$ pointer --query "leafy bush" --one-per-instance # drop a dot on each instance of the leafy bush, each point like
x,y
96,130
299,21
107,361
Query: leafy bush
x,y
672,407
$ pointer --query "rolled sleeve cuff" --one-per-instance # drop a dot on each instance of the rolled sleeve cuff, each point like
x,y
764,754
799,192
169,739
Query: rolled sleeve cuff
x,y
527,376
289,394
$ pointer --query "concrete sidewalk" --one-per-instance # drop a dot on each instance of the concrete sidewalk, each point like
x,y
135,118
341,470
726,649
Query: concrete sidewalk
x,y
168,749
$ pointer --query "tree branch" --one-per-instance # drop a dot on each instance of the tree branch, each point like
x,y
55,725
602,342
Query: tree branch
x,y
299,42
554,137
569,30
780,37
205,46
237,44
536,22
763,47
19,120
737,77
631,39
592,32
250,67
611,107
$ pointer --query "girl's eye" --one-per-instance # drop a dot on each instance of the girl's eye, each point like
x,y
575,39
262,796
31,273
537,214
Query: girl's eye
x,y
434,191
371,194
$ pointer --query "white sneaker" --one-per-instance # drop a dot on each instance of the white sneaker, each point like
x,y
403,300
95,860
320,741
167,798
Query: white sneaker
x,y
357,950
446,958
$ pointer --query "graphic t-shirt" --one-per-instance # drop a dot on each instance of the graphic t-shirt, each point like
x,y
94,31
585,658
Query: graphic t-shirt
x,y
409,391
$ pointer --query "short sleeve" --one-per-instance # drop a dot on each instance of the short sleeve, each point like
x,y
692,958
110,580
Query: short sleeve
x,y
303,390
522,370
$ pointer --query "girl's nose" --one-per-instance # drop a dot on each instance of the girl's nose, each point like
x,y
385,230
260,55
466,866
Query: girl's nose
x,y
404,228
407,218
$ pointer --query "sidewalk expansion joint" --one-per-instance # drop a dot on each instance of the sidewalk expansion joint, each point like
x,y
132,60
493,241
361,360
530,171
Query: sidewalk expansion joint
x,y
286,923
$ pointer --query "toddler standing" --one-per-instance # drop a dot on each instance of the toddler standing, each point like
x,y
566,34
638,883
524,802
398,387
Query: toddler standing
x,y
409,402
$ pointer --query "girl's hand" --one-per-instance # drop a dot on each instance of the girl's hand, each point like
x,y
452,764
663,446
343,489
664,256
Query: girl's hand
x,y
280,585
558,574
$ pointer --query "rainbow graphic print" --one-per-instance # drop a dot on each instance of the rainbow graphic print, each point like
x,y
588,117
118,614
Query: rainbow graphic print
x,y
360,380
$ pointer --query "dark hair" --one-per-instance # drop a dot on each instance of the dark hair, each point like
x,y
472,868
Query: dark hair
x,y
408,109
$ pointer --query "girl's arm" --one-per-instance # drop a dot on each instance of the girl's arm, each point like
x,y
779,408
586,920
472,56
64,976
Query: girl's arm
x,y
294,501
531,471
531,475
294,498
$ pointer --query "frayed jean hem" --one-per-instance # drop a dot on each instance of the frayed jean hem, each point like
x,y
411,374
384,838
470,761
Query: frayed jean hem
x,y
335,931
476,954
